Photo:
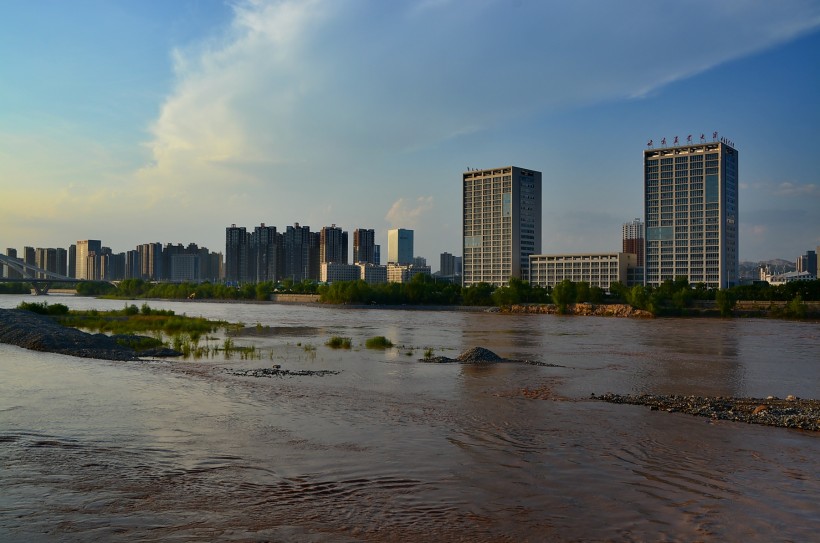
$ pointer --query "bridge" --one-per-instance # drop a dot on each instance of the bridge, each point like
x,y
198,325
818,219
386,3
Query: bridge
x,y
40,279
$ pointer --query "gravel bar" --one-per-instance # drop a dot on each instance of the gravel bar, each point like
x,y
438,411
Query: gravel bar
x,y
790,412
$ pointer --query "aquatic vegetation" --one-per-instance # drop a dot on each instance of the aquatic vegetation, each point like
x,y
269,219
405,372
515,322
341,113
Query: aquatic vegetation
x,y
338,342
378,342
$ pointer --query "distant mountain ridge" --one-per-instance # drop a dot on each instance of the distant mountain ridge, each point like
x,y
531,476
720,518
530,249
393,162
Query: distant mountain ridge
x,y
776,265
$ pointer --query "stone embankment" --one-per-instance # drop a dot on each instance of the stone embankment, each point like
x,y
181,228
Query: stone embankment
x,y
40,333
585,309
790,412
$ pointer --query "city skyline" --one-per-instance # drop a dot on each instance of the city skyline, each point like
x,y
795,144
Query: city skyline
x,y
140,121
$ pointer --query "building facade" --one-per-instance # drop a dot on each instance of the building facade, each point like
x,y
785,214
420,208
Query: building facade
x,y
403,273
807,263
86,247
633,235
332,245
691,213
364,246
337,271
400,246
598,270
501,224
372,274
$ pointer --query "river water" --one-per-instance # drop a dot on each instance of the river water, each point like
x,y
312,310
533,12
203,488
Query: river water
x,y
391,449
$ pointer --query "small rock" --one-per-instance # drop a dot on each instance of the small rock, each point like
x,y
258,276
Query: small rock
x,y
759,409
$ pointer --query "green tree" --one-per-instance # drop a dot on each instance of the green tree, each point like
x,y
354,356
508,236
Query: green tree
x,y
725,301
563,294
478,294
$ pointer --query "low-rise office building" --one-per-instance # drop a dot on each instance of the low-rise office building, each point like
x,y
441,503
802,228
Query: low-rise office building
x,y
598,269
399,273
336,271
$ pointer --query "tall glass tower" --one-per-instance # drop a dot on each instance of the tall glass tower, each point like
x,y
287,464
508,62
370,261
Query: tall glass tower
x,y
691,211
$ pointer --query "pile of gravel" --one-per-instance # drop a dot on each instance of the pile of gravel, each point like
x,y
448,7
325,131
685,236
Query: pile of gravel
x,y
478,355
40,333
787,413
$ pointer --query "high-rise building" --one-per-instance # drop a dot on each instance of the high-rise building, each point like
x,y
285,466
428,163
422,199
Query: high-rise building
x,y
301,253
237,249
364,246
691,213
400,246
72,261
807,263
11,273
266,244
502,224
150,259
633,239
86,247
447,266
332,245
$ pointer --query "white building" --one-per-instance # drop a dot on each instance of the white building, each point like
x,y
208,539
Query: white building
x,y
400,273
501,224
331,272
599,269
372,274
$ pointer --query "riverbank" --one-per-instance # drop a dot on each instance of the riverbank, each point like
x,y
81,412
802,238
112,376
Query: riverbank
x,y
786,413
583,309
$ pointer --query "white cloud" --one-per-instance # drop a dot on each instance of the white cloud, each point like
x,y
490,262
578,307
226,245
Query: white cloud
x,y
797,189
404,214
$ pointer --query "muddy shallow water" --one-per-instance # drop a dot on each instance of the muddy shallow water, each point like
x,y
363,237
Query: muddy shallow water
x,y
390,449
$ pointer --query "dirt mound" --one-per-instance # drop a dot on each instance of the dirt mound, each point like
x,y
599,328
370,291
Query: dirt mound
x,y
478,354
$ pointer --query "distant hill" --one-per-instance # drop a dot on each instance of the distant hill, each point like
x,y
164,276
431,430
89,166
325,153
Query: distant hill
x,y
748,270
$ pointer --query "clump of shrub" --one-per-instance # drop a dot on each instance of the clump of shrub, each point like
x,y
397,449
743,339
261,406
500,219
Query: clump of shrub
x,y
42,308
338,342
378,342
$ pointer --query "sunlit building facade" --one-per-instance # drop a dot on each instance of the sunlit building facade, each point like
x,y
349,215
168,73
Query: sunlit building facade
x,y
691,212
502,224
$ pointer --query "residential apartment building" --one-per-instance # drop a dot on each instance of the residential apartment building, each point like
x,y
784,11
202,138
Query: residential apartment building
x,y
332,245
633,235
691,212
237,252
364,246
501,224
598,269
84,248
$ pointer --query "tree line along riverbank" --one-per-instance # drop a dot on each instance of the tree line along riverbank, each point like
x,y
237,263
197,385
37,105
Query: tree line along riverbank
x,y
797,300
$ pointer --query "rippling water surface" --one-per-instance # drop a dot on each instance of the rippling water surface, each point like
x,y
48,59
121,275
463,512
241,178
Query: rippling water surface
x,y
391,449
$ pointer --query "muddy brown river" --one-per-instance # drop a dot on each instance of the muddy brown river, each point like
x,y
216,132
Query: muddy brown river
x,y
392,449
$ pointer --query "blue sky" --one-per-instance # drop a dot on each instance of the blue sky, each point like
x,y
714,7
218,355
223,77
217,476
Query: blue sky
x,y
134,122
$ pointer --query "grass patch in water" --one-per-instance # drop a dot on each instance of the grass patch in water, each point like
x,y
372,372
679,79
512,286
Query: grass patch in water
x,y
338,342
378,342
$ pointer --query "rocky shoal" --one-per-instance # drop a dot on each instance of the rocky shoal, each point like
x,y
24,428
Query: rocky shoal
x,y
583,309
40,333
790,412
